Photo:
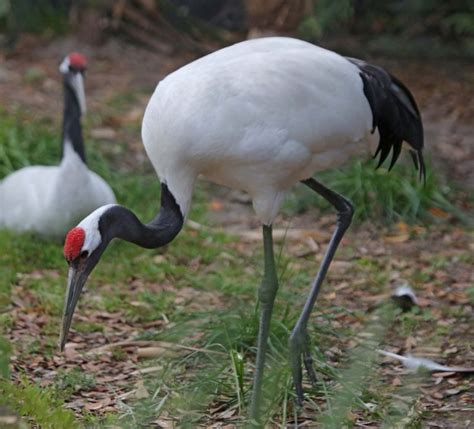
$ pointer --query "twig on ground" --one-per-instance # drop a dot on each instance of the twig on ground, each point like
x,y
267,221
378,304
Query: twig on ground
x,y
150,344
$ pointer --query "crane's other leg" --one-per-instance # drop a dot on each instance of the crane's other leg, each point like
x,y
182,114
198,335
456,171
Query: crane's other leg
x,y
299,343
266,296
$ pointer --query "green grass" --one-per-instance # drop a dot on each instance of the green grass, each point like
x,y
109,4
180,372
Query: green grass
x,y
23,144
41,17
74,380
382,196
43,406
206,261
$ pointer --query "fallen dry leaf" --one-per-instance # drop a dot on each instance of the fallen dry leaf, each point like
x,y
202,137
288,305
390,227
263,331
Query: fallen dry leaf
x,y
141,391
215,205
152,352
396,381
104,133
437,212
94,406
399,238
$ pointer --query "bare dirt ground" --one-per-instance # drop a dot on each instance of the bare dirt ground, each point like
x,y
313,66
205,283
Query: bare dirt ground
x,y
445,91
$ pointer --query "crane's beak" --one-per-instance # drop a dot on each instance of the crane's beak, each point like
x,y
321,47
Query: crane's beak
x,y
77,83
77,277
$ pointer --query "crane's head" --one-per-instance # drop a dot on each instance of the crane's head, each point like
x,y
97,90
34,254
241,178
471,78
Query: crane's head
x,y
73,68
85,244
83,247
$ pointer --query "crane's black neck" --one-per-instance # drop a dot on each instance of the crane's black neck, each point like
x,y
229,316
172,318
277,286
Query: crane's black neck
x,y
120,222
72,130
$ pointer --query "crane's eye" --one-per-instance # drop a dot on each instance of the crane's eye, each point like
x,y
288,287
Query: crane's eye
x,y
84,254
74,69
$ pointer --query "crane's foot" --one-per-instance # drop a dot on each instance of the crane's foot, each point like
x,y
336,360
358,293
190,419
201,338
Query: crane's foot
x,y
300,354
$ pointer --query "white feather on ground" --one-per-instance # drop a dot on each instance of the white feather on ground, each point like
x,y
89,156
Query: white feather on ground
x,y
416,363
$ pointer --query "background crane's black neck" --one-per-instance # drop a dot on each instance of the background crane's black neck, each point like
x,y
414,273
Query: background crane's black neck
x,y
72,130
120,222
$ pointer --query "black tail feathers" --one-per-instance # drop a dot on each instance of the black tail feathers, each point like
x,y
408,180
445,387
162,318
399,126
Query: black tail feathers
x,y
395,115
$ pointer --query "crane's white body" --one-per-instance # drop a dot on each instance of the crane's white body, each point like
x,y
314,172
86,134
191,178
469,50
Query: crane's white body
x,y
51,199
257,116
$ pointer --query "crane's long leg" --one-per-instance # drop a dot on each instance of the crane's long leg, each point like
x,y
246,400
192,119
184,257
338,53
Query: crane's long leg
x,y
299,344
266,296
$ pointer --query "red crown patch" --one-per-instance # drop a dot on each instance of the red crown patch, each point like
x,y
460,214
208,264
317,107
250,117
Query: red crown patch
x,y
74,242
77,60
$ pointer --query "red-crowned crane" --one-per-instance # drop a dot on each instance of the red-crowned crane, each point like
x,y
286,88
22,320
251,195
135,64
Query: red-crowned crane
x,y
49,200
259,116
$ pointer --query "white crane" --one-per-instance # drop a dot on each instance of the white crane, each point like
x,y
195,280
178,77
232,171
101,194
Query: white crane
x,y
260,116
49,200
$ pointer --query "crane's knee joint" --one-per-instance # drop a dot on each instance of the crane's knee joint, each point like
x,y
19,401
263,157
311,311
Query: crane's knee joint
x,y
308,359
266,297
267,291
345,213
297,340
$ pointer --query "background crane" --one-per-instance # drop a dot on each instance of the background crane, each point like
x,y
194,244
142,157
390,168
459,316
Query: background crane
x,y
49,200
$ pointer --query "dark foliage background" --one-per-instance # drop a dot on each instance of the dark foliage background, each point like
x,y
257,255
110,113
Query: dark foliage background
x,y
407,27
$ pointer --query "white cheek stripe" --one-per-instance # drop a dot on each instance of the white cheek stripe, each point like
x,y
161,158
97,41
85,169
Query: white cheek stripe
x,y
90,225
64,66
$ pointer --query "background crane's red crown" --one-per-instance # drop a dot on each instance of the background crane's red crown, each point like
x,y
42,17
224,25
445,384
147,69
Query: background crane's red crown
x,y
77,60
73,243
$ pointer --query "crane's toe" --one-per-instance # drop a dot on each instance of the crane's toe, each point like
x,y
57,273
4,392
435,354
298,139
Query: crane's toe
x,y
308,364
299,346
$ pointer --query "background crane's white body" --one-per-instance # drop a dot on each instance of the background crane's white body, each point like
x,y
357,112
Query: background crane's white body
x,y
206,118
51,199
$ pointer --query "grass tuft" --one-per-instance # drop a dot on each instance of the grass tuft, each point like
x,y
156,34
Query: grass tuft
x,y
23,143
41,405
382,196
73,381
